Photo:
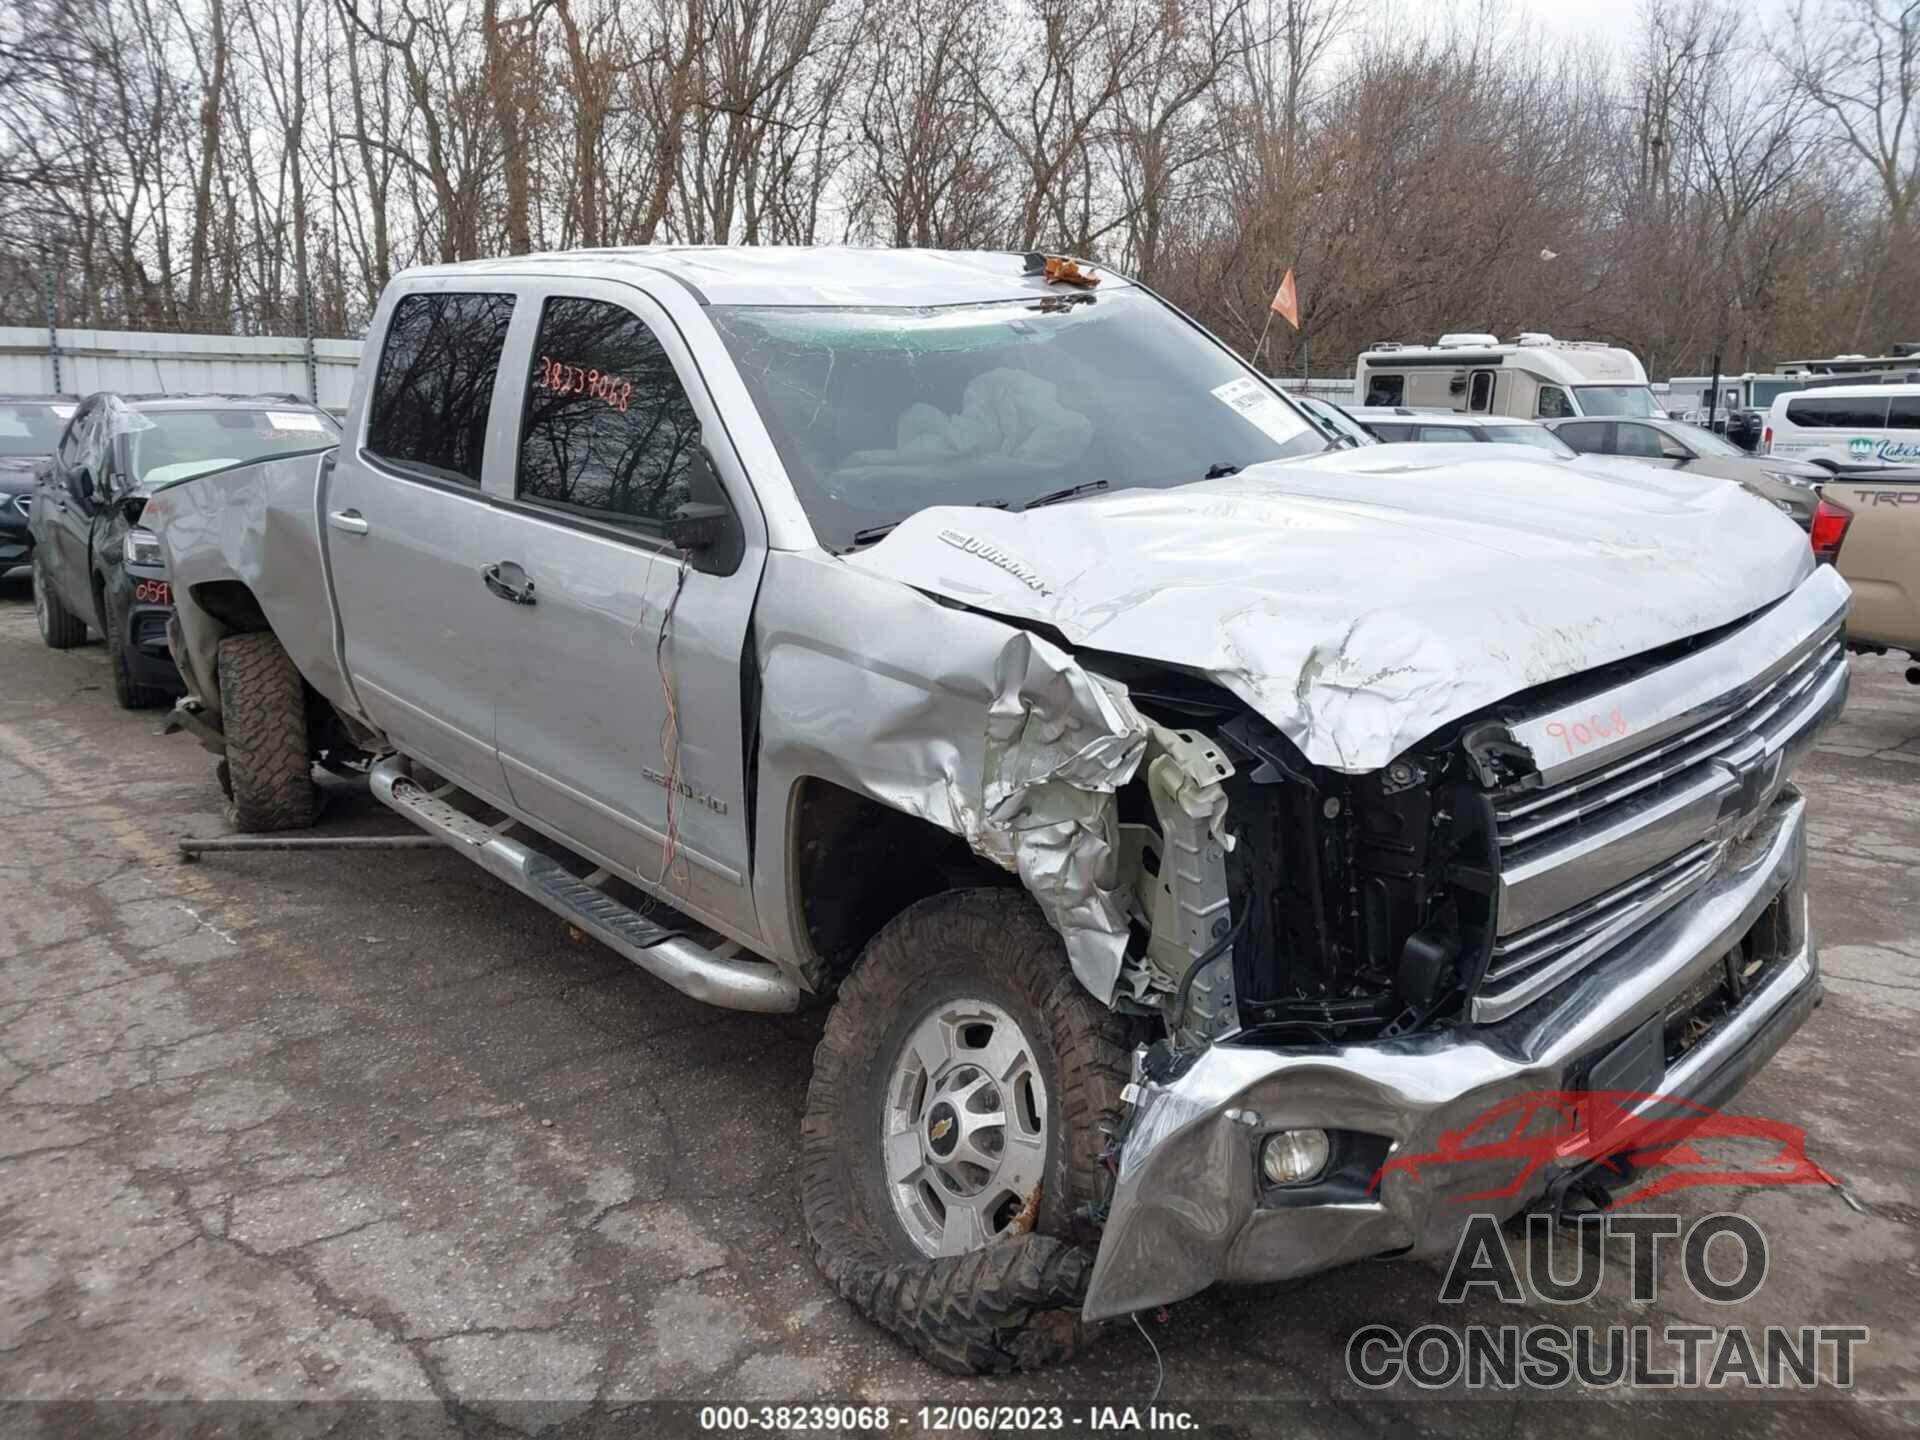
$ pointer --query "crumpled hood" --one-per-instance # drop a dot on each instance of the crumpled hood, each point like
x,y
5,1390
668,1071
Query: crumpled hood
x,y
1360,600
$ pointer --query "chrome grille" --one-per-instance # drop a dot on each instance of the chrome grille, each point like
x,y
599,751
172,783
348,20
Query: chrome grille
x,y
1587,862
1535,959
1530,816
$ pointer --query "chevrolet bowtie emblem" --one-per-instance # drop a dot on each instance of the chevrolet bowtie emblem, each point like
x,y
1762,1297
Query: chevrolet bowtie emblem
x,y
941,1127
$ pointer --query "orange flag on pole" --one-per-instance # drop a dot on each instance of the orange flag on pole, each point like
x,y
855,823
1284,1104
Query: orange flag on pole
x,y
1286,302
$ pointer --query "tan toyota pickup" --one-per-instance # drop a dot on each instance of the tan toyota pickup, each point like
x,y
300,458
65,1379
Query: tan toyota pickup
x,y
1867,527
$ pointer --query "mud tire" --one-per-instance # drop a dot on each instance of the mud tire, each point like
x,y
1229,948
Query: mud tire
x,y
1013,1305
59,626
129,695
264,716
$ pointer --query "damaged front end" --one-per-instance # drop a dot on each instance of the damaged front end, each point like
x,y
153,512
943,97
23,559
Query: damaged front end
x,y
1602,878
1351,945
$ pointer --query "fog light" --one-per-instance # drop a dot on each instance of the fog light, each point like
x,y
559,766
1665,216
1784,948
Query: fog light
x,y
1292,1156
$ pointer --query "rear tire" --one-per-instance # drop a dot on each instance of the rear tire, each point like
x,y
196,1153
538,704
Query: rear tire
x,y
59,627
263,706
130,695
1012,1304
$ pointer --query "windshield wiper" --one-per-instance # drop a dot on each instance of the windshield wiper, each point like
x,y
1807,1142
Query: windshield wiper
x,y
1070,492
875,533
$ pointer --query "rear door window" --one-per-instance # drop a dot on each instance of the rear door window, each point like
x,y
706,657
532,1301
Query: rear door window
x,y
1588,437
609,431
1903,412
1838,412
1448,434
434,389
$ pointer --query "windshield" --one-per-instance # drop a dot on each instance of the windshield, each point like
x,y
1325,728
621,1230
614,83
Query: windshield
x,y
176,444
1765,392
1617,400
880,412
1537,436
31,428
1706,442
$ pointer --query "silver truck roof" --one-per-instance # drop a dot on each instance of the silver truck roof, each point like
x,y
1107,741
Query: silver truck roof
x,y
799,275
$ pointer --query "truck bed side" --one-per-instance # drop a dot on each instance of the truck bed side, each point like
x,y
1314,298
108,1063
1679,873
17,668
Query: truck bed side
x,y
246,551
1880,557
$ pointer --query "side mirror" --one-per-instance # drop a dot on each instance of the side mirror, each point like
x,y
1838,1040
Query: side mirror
x,y
698,525
706,527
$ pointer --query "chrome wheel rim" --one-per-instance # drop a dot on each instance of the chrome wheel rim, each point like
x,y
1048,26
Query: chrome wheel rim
x,y
963,1128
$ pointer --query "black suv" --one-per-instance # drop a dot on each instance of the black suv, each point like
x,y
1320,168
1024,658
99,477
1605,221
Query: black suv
x,y
93,563
30,427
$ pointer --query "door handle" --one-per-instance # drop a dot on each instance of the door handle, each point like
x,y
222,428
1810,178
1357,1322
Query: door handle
x,y
351,521
509,582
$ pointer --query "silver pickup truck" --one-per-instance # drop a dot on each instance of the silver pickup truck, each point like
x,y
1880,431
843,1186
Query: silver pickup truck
x,y
1188,819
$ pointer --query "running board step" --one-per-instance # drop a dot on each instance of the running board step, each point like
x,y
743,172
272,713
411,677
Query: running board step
x,y
591,908
688,966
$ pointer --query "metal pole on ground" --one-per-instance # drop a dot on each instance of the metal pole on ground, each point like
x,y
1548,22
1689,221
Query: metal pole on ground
x,y
194,849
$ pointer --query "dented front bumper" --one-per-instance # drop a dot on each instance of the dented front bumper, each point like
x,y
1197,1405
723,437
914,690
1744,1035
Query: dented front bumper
x,y
1189,1208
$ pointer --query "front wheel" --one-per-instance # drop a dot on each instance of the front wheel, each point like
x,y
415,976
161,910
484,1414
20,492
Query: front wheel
x,y
953,1133
263,713
59,627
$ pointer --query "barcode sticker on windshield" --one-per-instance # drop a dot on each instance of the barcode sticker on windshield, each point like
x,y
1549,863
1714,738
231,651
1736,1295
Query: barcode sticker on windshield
x,y
295,420
1259,407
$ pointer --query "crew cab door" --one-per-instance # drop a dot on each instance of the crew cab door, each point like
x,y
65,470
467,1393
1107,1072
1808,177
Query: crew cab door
x,y
407,529
621,666
68,519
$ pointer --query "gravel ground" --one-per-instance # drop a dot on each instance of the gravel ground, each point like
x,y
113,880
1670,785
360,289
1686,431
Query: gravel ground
x,y
371,1127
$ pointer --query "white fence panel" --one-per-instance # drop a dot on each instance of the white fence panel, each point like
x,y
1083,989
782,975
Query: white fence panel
x,y
146,362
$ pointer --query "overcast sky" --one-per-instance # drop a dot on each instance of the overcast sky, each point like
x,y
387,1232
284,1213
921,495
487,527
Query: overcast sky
x,y
1617,22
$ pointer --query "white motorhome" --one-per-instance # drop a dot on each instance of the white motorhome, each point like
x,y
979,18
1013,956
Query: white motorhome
x,y
1752,390
1534,375
1899,366
1687,394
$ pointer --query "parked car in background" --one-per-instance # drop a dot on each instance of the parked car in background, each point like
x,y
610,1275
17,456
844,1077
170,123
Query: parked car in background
x,y
1847,425
1791,485
1400,424
94,564
1867,526
30,427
